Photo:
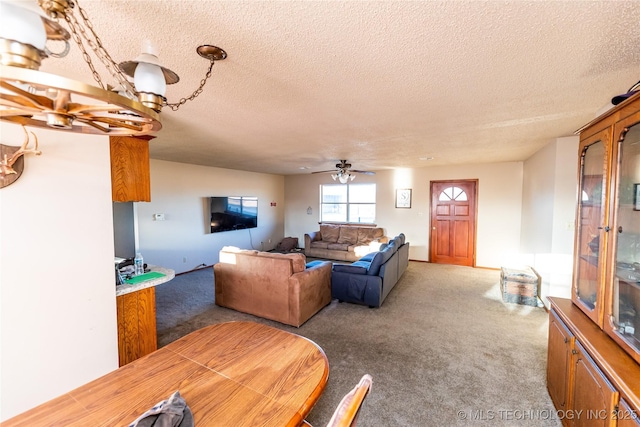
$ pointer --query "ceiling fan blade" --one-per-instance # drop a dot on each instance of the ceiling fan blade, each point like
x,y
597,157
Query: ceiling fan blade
x,y
363,172
332,171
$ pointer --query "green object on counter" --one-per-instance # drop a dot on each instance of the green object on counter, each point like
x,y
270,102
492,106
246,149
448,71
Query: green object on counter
x,y
144,277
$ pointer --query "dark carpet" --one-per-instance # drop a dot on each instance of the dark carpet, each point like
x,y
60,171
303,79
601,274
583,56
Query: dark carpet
x,y
443,349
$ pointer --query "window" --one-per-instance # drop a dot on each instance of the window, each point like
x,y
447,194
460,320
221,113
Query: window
x,y
456,194
355,203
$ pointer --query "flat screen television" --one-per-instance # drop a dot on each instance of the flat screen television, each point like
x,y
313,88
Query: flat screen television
x,y
233,213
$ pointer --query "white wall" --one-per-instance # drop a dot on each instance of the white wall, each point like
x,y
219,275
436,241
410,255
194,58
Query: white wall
x,y
499,206
548,218
178,190
57,289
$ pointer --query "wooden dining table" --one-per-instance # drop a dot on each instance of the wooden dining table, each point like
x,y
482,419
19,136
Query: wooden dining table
x,y
230,374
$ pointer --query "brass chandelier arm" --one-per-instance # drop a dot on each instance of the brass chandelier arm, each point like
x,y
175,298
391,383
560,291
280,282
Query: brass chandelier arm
x,y
94,125
17,102
121,115
111,122
22,96
17,112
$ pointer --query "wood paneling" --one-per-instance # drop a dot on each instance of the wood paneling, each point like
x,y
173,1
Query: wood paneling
x,y
137,335
130,174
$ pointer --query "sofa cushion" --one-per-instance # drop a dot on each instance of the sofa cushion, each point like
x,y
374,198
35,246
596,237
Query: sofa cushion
x,y
350,268
330,233
348,235
298,261
320,244
367,235
391,246
376,263
338,246
380,258
368,257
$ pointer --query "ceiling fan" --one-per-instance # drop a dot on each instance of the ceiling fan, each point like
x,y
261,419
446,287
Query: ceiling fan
x,y
344,173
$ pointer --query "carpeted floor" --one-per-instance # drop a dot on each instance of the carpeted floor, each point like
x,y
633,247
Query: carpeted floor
x,y
443,349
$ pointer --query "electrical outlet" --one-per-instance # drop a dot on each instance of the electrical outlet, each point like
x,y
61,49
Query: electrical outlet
x,y
269,240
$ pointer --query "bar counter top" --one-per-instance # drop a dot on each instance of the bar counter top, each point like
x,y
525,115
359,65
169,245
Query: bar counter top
x,y
127,288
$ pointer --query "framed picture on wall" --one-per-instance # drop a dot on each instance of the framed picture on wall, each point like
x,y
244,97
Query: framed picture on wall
x,y
403,198
636,197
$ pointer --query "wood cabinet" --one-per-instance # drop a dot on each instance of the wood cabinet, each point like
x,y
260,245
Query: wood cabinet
x,y
561,342
593,367
599,381
606,281
591,393
137,334
626,416
130,173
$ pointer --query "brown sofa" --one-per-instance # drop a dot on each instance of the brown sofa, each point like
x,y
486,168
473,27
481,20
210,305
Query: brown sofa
x,y
343,242
274,286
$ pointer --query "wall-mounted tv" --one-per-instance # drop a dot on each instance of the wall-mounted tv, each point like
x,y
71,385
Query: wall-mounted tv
x,y
233,213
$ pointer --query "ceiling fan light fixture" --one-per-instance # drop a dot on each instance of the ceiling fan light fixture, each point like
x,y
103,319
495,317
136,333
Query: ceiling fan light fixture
x,y
343,177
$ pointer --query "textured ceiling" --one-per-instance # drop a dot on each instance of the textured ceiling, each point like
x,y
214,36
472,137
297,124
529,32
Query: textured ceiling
x,y
384,84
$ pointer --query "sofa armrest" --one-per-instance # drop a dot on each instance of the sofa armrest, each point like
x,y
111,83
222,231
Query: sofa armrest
x,y
311,237
350,268
314,272
309,291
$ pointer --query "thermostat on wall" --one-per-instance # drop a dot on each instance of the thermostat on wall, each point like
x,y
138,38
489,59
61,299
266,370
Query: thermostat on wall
x,y
158,217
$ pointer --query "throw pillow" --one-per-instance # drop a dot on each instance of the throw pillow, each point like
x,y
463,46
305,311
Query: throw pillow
x,y
348,235
287,244
330,233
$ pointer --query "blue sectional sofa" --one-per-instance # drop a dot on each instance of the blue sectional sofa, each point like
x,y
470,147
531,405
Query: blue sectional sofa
x,y
369,280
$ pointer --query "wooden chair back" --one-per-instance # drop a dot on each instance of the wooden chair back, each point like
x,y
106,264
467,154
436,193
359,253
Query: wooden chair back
x,y
346,414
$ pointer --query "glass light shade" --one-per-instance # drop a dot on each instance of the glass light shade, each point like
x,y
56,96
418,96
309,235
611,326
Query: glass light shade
x,y
149,78
22,25
344,178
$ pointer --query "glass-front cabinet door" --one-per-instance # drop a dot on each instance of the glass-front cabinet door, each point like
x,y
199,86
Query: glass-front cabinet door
x,y
592,226
623,305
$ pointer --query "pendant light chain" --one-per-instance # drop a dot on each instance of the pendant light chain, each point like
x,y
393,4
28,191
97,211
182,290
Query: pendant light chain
x,y
79,32
176,105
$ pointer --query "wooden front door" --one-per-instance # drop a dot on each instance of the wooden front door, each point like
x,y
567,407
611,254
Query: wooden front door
x,y
453,222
